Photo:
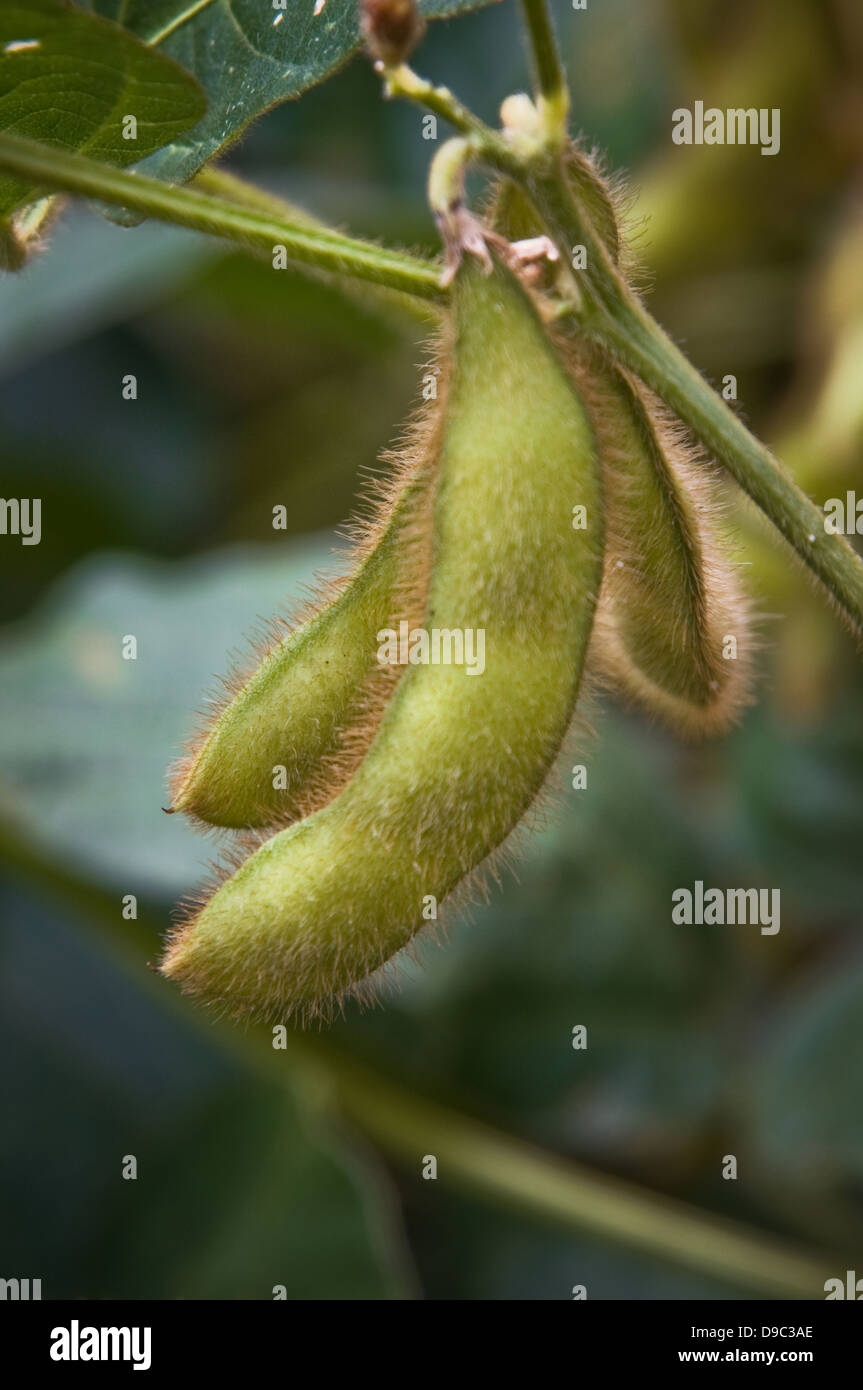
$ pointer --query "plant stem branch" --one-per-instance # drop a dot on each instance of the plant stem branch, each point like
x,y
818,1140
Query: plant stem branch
x,y
550,76
471,1154
570,1194
309,245
610,314
614,317
221,183
487,145
402,81
635,337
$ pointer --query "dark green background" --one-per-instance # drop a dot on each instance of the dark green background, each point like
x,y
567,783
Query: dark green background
x,y
257,389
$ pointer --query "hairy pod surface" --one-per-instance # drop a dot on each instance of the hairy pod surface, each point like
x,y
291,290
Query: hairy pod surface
x,y
671,611
458,759
312,703
514,217
672,630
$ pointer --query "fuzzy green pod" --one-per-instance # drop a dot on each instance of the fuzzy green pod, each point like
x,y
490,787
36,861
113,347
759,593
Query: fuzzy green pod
x,y
512,215
291,731
672,629
293,728
459,757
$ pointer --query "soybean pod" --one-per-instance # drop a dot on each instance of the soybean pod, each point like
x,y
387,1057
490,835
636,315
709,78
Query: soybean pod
x,y
291,731
512,214
672,631
460,755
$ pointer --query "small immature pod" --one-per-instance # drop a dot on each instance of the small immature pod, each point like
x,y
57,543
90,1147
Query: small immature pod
x,y
601,202
311,705
512,215
670,597
458,758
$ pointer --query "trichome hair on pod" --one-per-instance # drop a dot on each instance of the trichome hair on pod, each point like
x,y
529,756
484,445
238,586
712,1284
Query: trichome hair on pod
x,y
457,761
673,630
606,201
670,595
313,694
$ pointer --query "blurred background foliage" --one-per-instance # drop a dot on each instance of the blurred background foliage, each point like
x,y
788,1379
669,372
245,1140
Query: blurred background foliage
x,y
257,389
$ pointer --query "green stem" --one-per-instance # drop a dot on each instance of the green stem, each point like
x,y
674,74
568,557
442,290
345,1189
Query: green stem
x,y
487,144
550,76
47,167
404,82
635,337
222,184
508,1170
612,315
616,319
470,1154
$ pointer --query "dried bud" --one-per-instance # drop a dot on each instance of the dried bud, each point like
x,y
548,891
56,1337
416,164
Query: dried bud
x,y
391,28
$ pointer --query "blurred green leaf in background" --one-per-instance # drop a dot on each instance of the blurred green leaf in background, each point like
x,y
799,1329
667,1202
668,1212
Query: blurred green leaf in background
x,y
257,390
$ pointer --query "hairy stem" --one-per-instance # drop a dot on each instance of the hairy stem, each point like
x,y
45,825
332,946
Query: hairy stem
x,y
610,313
613,316
223,184
260,230
638,340
487,144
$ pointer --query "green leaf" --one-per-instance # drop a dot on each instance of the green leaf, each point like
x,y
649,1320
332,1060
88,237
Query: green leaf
x,y
69,79
247,56
63,774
